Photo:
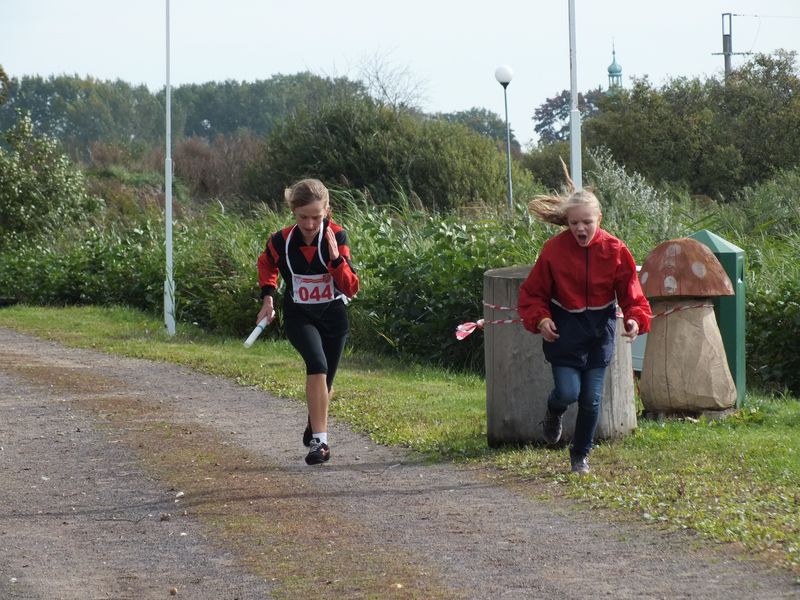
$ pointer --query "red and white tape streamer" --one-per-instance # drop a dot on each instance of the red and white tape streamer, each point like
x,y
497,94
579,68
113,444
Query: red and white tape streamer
x,y
466,329
669,311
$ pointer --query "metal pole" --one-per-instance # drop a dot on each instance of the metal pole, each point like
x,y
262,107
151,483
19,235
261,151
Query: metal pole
x,y
576,167
727,43
169,284
508,152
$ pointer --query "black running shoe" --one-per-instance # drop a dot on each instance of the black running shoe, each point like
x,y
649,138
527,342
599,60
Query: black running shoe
x,y
307,434
579,464
551,427
319,453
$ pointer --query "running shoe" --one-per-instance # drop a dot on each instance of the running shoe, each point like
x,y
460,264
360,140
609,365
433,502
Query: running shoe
x,y
318,453
580,464
551,427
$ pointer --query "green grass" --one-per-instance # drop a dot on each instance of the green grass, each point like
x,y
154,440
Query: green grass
x,y
734,481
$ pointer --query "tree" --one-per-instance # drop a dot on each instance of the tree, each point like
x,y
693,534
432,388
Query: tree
x,y
363,144
759,109
40,189
551,119
223,108
484,122
710,136
661,133
80,111
3,85
391,85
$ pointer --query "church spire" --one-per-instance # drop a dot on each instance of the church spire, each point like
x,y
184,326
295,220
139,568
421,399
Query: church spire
x,y
614,70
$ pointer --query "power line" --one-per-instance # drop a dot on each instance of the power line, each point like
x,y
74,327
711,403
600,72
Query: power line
x,y
767,16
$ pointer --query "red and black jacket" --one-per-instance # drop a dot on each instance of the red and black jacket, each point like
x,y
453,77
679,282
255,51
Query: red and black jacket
x,y
579,288
305,261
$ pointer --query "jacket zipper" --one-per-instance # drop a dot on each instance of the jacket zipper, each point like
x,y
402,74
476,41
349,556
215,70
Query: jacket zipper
x,y
587,278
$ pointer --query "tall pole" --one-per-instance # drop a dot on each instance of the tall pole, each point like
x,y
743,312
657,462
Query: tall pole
x,y
727,42
504,75
576,167
508,151
169,284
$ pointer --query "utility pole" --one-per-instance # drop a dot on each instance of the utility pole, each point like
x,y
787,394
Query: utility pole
x,y
727,42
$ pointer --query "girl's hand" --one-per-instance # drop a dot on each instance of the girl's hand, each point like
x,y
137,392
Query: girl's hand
x,y
333,247
631,330
266,309
548,329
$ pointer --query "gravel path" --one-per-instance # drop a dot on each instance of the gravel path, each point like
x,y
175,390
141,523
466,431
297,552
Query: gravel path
x,y
81,517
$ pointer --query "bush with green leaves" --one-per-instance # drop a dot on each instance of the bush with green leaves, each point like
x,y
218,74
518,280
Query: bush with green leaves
x,y
41,191
633,210
102,265
422,273
770,207
772,268
359,143
215,268
773,328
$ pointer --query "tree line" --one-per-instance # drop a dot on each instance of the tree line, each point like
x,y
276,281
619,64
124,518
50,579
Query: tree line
x,y
707,135
703,135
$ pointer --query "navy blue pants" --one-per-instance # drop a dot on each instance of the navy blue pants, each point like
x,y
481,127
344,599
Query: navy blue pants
x,y
586,388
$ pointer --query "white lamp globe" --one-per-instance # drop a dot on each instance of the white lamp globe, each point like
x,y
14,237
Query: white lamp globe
x,y
504,75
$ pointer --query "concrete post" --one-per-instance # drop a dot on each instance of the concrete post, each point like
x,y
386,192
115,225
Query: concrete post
x,y
518,379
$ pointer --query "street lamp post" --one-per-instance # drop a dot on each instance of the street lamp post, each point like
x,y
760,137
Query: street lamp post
x,y
169,284
503,75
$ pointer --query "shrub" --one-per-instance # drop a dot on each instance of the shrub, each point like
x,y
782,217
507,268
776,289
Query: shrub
x,y
215,269
360,144
633,210
422,275
214,170
770,207
40,190
772,267
773,327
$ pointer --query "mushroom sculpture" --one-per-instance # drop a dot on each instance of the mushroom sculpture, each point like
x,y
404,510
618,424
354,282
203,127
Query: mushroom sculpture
x,y
685,368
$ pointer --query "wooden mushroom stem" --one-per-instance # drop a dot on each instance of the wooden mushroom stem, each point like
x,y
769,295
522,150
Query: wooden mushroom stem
x,y
685,368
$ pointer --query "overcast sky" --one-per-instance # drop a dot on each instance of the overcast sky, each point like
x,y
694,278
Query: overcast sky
x,y
450,47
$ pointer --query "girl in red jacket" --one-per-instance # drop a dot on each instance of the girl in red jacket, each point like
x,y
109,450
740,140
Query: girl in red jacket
x,y
313,259
570,298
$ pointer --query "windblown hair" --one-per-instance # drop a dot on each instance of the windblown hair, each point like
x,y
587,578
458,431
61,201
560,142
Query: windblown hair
x,y
305,192
552,208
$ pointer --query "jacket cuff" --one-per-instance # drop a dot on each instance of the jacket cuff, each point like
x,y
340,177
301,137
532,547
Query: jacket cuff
x,y
335,263
267,290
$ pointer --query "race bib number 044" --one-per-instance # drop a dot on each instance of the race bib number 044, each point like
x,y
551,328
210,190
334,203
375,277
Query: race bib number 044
x,y
315,289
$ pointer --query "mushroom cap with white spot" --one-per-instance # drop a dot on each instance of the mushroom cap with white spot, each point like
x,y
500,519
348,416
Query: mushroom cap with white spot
x,y
683,267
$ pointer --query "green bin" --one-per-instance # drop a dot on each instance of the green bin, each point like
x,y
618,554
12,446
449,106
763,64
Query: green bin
x,y
729,310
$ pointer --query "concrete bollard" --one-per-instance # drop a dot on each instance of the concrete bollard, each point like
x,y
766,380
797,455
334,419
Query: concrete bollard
x,y
518,379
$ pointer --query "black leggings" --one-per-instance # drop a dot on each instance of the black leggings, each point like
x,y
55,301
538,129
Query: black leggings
x,y
320,353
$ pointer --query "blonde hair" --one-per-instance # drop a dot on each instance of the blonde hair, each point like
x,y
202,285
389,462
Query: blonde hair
x,y
552,208
305,192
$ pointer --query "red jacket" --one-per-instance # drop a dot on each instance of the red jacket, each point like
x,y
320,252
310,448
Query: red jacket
x,y
579,288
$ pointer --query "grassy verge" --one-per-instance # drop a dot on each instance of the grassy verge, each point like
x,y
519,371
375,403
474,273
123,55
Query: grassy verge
x,y
736,481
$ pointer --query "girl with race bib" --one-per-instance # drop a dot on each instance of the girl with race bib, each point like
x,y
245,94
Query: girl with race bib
x,y
313,259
